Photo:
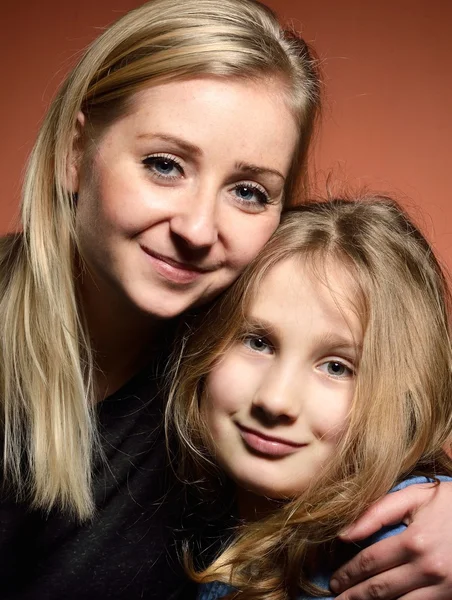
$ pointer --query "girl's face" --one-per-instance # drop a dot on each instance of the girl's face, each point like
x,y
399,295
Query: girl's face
x,y
182,192
277,401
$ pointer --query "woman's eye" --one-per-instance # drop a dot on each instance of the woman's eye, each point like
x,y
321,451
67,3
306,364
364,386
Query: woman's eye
x,y
335,368
163,166
258,344
251,195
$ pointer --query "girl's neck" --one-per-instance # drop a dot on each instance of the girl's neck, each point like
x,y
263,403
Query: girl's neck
x,y
123,338
253,507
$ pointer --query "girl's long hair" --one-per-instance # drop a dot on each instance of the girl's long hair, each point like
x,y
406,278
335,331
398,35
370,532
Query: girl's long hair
x,y
46,372
401,414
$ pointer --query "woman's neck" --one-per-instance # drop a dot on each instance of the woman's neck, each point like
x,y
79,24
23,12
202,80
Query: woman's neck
x,y
123,338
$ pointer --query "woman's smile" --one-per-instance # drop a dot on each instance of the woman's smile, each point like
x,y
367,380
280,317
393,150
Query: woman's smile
x,y
175,271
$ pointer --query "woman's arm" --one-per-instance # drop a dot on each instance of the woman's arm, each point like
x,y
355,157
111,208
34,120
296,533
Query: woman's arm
x,y
414,565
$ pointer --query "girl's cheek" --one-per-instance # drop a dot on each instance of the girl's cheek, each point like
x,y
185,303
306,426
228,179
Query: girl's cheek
x,y
332,428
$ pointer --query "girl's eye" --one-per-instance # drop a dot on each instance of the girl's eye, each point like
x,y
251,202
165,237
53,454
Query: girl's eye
x,y
164,167
251,195
335,368
258,344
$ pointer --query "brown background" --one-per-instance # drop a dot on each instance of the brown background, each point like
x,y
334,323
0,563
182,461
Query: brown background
x,y
388,78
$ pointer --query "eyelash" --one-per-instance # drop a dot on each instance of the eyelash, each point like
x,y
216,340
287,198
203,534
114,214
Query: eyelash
x,y
247,339
263,196
149,162
350,370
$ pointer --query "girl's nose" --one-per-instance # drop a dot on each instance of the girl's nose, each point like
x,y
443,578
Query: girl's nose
x,y
279,397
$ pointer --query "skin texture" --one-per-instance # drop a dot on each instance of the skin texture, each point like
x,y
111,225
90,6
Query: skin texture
x,y
414,565
182,192
290,377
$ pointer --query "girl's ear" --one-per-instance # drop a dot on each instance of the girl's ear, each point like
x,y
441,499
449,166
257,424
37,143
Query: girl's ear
x,y
75,155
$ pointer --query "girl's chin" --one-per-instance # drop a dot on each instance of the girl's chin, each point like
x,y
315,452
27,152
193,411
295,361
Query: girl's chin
x,y
270,493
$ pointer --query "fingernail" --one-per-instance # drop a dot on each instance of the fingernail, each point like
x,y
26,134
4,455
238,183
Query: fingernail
x,y
344,533
334,585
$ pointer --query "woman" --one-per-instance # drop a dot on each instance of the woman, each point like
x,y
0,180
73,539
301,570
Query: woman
x,y
160,171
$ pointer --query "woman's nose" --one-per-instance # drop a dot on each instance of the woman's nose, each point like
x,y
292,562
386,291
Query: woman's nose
x,y
196,222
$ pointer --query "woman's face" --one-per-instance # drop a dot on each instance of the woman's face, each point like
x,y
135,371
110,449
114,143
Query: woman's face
x,y
277,401
179,194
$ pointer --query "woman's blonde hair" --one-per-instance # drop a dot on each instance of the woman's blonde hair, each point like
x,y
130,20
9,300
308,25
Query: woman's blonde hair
x,y
401,413
46,362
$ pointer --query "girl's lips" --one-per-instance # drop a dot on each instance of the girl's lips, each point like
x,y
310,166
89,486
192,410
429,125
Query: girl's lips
x,y
172,270
268,445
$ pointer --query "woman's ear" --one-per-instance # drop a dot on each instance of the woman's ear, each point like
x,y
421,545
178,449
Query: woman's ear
x,y
75,155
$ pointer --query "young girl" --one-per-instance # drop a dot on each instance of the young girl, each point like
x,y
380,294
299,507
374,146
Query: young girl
x,y
318,382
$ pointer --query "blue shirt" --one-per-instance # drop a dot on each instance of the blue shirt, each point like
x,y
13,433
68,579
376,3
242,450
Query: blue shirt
x,y
218,589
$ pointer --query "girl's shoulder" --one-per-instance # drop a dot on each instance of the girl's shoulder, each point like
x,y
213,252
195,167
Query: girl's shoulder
x,y
419,479
391,530
322,578
217,589
213,590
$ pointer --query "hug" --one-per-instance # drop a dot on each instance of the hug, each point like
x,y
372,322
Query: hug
x,y
159,175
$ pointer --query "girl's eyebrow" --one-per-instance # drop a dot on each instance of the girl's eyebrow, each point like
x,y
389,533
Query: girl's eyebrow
x,y
340,343
257,324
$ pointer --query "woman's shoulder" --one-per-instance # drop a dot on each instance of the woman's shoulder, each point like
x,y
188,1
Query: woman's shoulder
x,y
10,240
10,246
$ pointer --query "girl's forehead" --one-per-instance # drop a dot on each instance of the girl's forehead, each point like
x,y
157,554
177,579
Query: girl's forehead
x,y
309,270
326,288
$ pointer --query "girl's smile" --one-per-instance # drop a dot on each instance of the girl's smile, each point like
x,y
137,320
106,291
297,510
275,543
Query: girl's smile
x,y
267,445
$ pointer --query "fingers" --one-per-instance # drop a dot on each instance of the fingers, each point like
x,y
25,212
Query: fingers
x,y
397,583
428,593
413,565
382,592
378,558
393,508
395,566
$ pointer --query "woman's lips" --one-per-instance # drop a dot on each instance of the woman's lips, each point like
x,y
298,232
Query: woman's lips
x,y
268,445
174,271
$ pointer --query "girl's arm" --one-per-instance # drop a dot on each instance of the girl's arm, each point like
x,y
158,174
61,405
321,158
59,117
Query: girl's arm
x,y
414,565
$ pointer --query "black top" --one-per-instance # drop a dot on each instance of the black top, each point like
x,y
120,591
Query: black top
x,y
128,550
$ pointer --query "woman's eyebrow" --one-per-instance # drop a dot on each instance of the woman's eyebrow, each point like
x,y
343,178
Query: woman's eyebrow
x,y
186,146
257,170
196,151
